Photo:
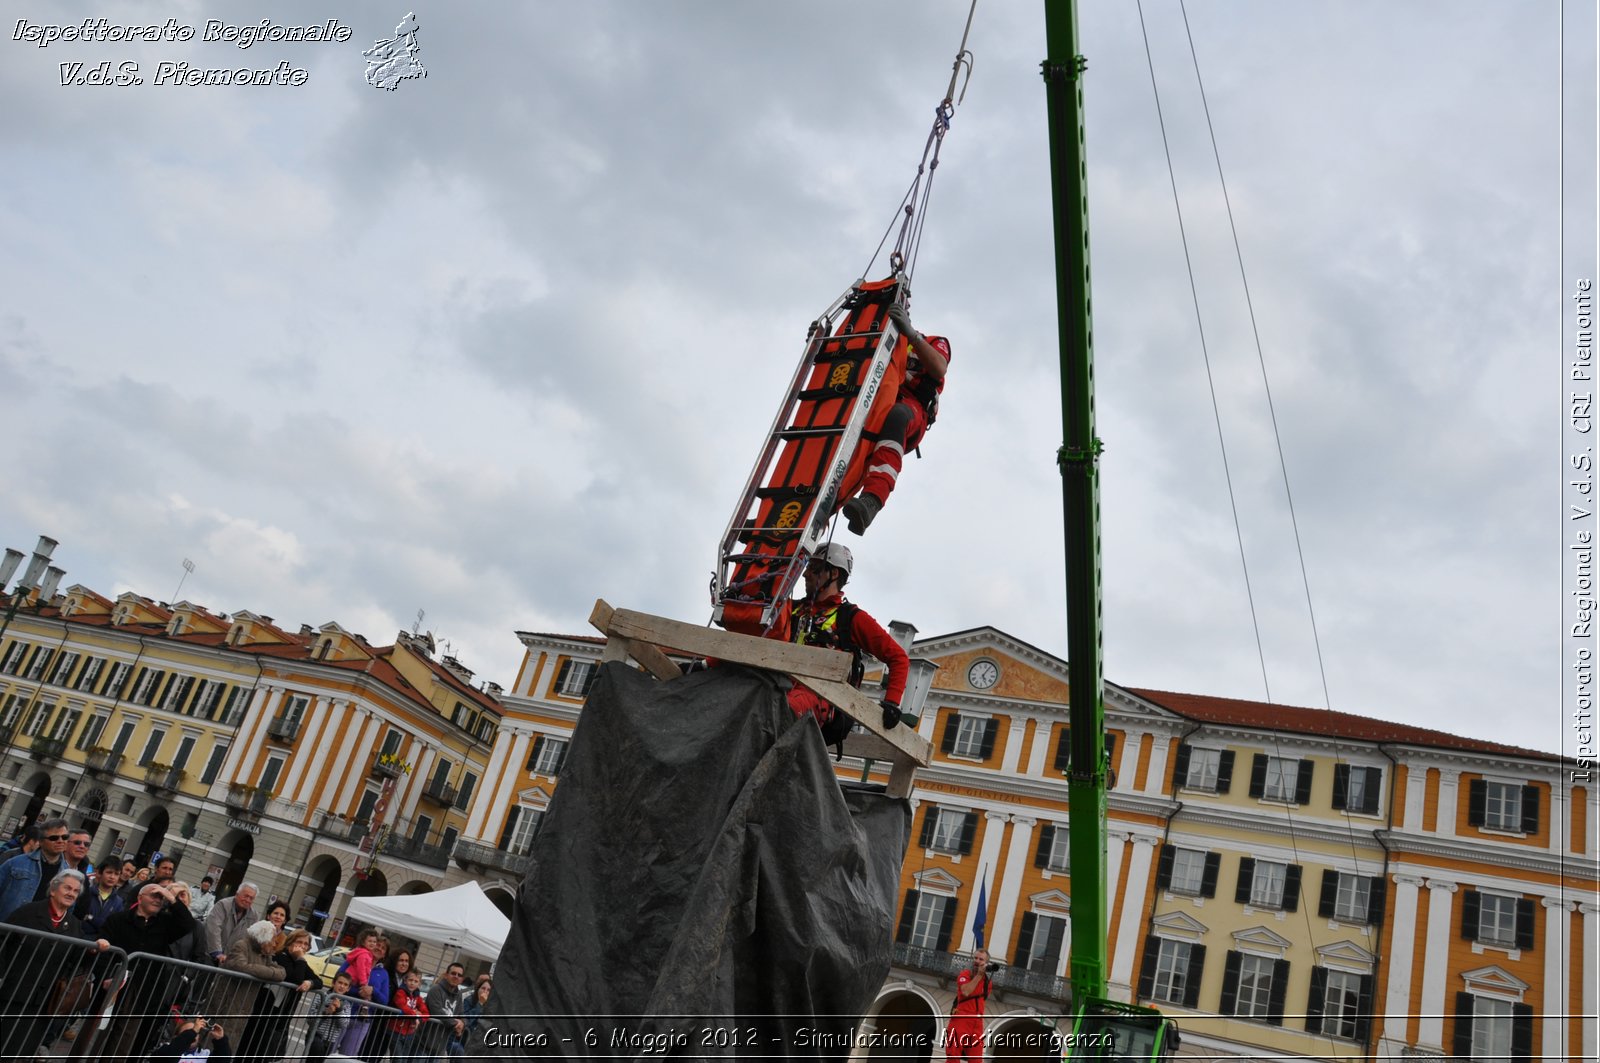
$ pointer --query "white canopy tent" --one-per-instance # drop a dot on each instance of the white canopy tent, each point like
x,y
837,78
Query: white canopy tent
x,y
461,917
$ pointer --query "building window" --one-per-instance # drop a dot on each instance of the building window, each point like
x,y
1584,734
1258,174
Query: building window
x,y
1490,1028
14,706
464,795
124,735
144,691
575,678
926,920
1171,971
1039,942
36,719
1268,884
219,752
1253,987
1189,872
90,674
1280,779
547,755
63,669
66,725
1503,806
1207,770
206,698
36,666
969,737
177,693
1051,853
1340,1004
369,801
269,775
1356,789
391,742
152,746
1351,898
11,663
294,709
1497,919
526,828
948,830
91,733
233,709
180,760
118,679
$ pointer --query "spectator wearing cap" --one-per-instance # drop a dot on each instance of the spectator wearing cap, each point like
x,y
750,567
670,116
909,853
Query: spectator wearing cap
x,y
156,920
26,877
204,900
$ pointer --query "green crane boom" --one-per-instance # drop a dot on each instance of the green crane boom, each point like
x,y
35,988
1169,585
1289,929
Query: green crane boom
x,y
1103,1028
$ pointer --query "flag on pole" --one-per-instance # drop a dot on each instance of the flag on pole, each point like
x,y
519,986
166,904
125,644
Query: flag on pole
x,y
980,917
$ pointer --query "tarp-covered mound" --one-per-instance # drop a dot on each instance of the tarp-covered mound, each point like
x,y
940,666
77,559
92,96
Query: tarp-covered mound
x,y
701,885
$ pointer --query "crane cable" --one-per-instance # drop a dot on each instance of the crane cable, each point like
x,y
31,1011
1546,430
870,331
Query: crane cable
x,y
913,211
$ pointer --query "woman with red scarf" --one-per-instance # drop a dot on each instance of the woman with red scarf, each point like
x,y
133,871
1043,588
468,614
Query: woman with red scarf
x,y
36,974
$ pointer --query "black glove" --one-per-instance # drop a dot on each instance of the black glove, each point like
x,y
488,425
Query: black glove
x,y
900,316
891,714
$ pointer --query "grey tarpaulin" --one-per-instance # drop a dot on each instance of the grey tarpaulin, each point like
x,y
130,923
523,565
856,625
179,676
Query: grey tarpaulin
x,y
701,883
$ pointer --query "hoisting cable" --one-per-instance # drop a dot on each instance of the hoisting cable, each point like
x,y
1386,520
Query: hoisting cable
x,y
1283,467
1205,354
913,206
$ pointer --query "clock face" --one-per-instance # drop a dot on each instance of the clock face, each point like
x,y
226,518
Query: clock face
x,y
983,674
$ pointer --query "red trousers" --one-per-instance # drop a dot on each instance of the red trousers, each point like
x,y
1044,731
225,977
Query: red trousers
x,y
903,430
963,1039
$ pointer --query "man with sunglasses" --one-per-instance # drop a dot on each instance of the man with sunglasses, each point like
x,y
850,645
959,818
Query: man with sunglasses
x,y
78,852
26,878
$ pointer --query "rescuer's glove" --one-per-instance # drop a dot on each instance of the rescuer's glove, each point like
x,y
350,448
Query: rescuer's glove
x,y
900,316
891,714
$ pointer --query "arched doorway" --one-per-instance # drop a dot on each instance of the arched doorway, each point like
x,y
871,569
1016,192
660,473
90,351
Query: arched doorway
x,y
414,887
31,801
327,871
372,883
906,1029
1025,1038
155,823
240,846
92,811
501,897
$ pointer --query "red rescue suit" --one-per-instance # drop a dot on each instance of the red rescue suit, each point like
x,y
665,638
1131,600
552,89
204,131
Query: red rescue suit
x,y
916,406
963,1038
818,623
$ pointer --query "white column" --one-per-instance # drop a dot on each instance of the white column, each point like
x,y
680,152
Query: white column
x,y
505,790
1008,883
1449,787
1560,824
1127,762
354,764
1156,778
1435,962
309,749
1040,750
1115,843
335,712
988,857
1132,909
1416,795
1591,972
1555,989
1402,947
418,780
484,798
248,736
1013,751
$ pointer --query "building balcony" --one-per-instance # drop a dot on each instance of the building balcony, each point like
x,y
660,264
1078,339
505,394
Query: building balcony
x,y
943,964
1018,980
340,830
163,778
400,847
281,729
1032,983
389,766
471,855
45,749
440,793
102,762
247,800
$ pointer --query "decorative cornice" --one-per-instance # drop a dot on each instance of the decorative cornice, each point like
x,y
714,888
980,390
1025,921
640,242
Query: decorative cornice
x,y
1558,902
1504,857
1439,884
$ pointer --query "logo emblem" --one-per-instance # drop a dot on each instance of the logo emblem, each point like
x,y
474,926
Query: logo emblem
x,y
392,61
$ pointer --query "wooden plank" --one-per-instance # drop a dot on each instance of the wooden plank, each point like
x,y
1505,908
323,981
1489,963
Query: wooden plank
x,y
809,662
654,661
902,778
869,714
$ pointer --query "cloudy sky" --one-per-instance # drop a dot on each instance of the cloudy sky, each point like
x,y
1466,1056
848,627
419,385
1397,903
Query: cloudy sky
x,y
506,339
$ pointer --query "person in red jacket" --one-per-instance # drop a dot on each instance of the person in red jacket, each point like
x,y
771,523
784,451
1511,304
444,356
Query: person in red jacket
x,y
963,1038
413,1009
824,618
912,415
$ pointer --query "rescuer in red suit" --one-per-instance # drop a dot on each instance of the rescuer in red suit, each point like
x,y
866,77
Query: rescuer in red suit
x,y
824,618
914,410
963,1038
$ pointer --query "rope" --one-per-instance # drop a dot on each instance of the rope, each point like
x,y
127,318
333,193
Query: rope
x,y
903,258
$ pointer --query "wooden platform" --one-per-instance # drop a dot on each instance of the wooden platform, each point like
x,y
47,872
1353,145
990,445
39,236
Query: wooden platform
x,y
640,636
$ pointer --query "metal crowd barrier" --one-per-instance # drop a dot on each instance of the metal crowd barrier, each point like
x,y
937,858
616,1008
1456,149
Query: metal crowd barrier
x,y
59,996
50,985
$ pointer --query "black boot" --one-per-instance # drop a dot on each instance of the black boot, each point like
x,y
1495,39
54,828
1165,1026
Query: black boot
x,y
859,511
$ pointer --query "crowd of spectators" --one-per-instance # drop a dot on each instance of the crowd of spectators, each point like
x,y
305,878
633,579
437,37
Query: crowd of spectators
x,y
209,976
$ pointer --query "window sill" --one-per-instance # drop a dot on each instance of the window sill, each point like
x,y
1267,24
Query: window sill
x,y
1512,953
1208,791
970,758
1502,832
1256,909
952,855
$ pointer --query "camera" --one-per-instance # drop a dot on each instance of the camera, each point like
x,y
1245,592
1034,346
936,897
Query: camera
x,y
993,966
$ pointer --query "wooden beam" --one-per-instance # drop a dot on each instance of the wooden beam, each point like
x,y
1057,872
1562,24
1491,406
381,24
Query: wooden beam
x,y
649,656
869,714
807,662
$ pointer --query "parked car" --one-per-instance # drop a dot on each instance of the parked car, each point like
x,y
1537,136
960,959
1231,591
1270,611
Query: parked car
x,y
325,961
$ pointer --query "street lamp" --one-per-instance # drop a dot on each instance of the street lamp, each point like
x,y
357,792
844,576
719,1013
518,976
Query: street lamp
x,y
40,576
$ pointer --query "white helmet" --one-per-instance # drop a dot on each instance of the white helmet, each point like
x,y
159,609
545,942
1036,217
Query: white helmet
x,y
837,555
